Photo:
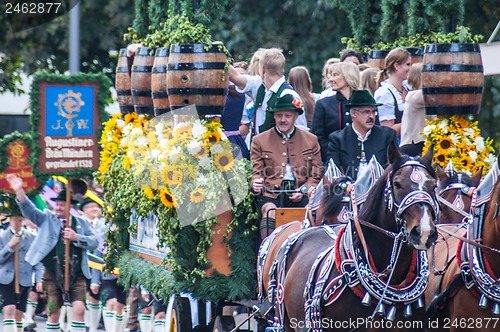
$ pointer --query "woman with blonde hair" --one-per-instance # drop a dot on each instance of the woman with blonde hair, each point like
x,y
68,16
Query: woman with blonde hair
x,y
392,91
330,113
300,80
325,83
369,79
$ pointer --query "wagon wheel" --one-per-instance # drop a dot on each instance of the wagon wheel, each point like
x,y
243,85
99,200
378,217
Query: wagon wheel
x,y
180,320
224,324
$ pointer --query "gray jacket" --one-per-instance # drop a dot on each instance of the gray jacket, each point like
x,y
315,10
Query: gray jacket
x,y
48,234
7,259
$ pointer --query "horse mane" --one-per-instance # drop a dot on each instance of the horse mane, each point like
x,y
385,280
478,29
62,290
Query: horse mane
x,y
331,200
376,196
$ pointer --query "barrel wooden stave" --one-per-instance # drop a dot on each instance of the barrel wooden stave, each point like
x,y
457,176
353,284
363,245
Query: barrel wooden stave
x,y
376,59
452,79
140,80
196,76
122,83
159,92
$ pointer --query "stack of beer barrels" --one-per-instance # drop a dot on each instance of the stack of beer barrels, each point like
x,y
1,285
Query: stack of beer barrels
x,y
157,81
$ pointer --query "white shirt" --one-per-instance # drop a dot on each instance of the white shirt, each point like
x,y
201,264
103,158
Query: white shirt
x,y
384,96
251,89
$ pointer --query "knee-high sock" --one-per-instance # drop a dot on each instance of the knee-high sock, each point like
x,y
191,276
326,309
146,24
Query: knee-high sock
x,y
9,325
30,312
126,315
109,320
62,318
77,326
119,323
267,226
159,325
94,315
19,326
52,327
145,322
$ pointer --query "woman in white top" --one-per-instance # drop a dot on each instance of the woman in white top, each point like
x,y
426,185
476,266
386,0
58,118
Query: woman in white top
x,y
392,92
413,121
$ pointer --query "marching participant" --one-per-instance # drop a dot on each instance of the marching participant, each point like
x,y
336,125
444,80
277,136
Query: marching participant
x,y
49,248
16,273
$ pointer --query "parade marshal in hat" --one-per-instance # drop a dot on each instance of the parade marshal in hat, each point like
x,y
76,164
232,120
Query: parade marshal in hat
x,y
62,197
352,147
49,248
284,157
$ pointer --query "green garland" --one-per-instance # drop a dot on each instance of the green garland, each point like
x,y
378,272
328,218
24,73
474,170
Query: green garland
x,y
155,278
8,203
103,99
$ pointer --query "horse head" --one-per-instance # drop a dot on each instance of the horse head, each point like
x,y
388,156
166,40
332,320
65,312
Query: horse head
x,y
455,191
409,196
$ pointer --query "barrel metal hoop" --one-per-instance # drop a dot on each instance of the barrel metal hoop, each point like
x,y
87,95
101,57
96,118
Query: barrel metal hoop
x,y
196,65
197,91
451,48
454,67
452,90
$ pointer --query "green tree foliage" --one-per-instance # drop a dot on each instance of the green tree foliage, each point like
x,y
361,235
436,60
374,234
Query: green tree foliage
x,y
141,21
364,17
157,12
394,14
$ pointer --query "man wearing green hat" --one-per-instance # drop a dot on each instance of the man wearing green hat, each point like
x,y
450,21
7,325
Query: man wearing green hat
x,y
284,157
352,147
48,248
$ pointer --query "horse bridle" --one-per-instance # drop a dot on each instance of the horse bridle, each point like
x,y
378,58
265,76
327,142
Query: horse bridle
x,y
462,189
412,198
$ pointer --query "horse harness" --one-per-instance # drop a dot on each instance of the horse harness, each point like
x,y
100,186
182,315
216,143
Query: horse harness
x,y
461,189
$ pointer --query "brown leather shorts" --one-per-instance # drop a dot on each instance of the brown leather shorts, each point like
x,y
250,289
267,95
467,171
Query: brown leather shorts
x,y
55,295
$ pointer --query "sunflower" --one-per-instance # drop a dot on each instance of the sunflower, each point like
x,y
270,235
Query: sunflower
x,y
213,136
148,192
445,145
224,161
466,161
202,152
197,195
171,176
440,158
168,199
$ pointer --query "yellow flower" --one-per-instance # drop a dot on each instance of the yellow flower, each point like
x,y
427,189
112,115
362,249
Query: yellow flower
x,y
168,199
224,161
466,162
441,159
197,195
148,192
171,176
445,145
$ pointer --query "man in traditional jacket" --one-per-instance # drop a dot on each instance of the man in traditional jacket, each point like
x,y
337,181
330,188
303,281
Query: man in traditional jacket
x,y
352,147
15,237
284,157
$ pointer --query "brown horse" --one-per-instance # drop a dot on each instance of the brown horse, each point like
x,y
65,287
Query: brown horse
x,y
272,244
470,292
337,283
455,193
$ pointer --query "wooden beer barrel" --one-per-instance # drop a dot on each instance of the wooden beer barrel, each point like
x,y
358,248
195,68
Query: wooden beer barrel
x,y
122,82
376,59
140,80
197,77
417,54
452,79
159,82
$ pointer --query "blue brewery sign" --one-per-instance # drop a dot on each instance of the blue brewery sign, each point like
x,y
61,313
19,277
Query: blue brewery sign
x,y
70,110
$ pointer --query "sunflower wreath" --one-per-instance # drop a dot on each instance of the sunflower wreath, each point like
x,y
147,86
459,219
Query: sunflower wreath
x,y
181,171
458,140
